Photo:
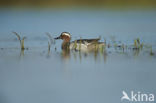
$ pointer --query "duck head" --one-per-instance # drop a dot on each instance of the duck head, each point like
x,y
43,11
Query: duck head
x,y
65,36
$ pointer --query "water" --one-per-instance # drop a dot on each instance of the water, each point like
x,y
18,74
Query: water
x,y
37,75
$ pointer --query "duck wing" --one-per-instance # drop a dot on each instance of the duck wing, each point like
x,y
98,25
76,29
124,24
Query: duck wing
x,y
84,41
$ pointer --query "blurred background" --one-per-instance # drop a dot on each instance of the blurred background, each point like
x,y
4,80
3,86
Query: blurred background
x,y
84,3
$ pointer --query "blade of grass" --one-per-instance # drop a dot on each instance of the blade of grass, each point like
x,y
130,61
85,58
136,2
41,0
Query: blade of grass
x,y
21,40
18,36
52,41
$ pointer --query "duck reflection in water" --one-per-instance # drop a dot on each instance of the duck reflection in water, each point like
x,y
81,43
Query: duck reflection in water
x,y
65,54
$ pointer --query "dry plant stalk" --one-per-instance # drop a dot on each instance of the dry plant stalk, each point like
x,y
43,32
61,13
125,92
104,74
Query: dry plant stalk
x,y
75,44
21,40
52,41
80,43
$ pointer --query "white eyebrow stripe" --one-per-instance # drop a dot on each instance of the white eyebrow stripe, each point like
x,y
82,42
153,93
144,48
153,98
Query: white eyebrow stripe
x,y
66,34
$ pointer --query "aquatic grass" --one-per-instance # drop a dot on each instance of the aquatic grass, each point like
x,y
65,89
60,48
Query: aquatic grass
x,y
49,45
22,53
138,41
52,41
151,52
138,44
115,45
123,47
102,48
105,44
95,54
135,43
20,39
80,44
96,46
141,46
75,44
137,47
105,40
80,56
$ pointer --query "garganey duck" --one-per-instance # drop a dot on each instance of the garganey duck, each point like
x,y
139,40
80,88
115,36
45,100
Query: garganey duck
x,y
80,44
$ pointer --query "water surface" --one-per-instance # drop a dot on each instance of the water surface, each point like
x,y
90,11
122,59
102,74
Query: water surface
x,y
37,75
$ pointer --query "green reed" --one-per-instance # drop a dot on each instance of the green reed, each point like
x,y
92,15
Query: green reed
x,y
75,44
138,44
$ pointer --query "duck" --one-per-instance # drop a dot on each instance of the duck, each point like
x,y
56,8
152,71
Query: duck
x,y
80,44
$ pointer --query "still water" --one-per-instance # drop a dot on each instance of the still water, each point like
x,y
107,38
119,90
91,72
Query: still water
x,y
37,75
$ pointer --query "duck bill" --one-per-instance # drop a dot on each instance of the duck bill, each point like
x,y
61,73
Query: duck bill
x,y
57,38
